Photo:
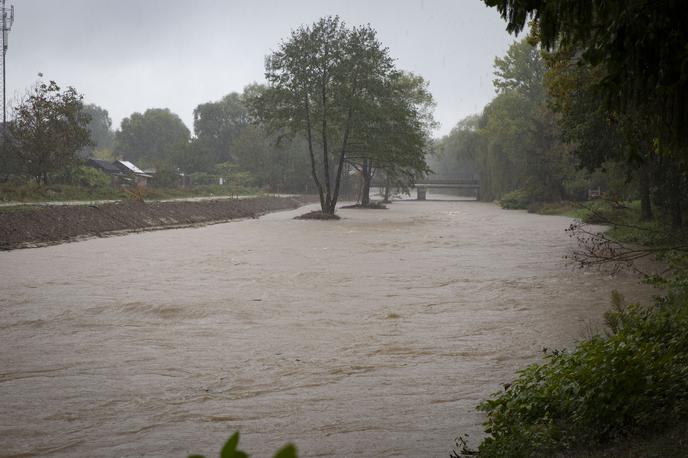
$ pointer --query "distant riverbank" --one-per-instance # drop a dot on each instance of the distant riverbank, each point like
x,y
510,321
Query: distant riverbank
x,y
25,227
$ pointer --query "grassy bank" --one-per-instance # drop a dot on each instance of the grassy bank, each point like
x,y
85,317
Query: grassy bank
x,y
621,393
31,192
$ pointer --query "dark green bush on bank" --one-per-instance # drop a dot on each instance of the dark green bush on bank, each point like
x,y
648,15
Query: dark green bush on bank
x,y
632,381
515,200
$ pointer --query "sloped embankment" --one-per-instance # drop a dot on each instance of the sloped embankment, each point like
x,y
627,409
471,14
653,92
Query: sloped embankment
x,y
39,226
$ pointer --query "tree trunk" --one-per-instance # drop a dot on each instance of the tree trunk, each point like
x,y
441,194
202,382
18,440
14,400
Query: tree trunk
x,y
675,201
342,153
367,178
388,191
329,202
645,202
314,173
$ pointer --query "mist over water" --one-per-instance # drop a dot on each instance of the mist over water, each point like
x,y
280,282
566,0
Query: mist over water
x,y
372,336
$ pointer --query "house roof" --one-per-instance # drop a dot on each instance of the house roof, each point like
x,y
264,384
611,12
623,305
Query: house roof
x,y
106,166
130,167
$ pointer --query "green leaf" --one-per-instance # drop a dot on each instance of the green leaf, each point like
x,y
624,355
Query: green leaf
x,y
288,451
229,450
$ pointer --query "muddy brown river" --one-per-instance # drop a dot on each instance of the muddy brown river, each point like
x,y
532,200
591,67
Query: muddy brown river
x,y
372,336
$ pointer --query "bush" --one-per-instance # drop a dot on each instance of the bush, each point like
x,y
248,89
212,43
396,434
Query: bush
x,y
166,178
88,177
515,200
630,381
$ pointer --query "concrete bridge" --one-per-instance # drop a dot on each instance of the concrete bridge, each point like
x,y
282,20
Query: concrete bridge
x,y
444,181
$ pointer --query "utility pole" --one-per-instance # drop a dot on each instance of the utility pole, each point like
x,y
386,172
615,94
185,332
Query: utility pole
x,y
7,21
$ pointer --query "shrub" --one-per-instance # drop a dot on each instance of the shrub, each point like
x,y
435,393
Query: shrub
x,y
90,177
515,200
608,387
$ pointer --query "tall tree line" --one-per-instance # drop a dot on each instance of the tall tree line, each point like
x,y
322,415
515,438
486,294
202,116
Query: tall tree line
x,y
617,76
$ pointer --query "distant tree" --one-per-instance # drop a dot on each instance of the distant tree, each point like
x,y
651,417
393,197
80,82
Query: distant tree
x,y
515,144
457,152
48,128
278,163
320,80
218,124
100,130
521,69
151,138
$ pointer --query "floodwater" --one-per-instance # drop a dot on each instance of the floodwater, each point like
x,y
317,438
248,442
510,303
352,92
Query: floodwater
x,y
372,336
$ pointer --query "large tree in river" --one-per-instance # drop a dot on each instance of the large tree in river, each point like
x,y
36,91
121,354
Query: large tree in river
x,y
392,135
320,81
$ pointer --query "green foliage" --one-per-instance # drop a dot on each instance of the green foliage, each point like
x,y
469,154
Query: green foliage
x,y
638,45
276,162
392,134
234,180
100,130
321,82
230,450
156,136
515,144
608,387
515,200
105,154
86,177
521,70
618,79
458,153
166,176
35,192
47,130
218,125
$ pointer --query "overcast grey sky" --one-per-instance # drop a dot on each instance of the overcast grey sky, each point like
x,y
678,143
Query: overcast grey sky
x,y
130,55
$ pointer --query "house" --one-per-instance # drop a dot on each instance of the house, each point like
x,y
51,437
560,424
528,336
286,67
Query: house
x,y
139,177
121,172
106,167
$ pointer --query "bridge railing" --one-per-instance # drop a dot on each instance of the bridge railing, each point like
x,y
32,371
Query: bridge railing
x,y
442,180
449,182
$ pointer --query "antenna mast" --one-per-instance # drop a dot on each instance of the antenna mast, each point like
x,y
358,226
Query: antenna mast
x,y
7,21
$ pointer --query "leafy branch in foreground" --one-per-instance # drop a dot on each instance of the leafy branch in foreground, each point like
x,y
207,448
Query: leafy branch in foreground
x,y
230,450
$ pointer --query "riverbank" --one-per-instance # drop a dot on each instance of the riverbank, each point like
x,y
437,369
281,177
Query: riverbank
x,y
33,226
621,391
29,193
